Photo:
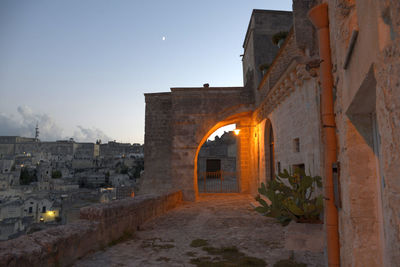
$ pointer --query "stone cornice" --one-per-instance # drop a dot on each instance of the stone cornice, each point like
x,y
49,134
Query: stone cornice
x,y
293,78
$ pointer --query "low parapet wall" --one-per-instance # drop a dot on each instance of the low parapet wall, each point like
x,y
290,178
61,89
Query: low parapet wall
x,y
100,225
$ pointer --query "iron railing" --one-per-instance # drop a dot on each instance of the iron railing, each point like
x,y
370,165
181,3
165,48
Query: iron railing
x,y
217,182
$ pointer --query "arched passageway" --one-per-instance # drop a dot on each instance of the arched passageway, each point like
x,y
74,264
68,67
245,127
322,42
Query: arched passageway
x,y
238,183
269,151
178,124
217,161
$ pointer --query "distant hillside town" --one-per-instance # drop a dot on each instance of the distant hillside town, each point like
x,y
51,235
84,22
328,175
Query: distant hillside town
x,y
43,184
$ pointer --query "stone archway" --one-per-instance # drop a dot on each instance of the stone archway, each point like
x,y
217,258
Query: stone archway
x,y
238,119
177,125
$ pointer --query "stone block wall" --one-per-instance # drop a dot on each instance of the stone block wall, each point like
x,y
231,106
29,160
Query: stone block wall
x,y
7,149
228,164
258,46
288,52
246,183
176,126
388,117
100,224
157,145
298,117
195,111
367,115
304,31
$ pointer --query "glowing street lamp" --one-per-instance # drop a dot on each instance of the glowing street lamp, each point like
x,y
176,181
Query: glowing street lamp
x,y
236,131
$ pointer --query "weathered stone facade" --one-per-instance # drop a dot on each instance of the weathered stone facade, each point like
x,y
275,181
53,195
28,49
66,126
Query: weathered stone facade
x,y
225,152
258,46
367,116
281,122
177,124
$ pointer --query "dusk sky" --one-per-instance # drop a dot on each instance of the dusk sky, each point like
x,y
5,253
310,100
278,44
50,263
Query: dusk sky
x,y
80,68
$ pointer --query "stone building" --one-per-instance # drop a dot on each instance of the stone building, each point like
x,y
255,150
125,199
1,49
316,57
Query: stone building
x,y
259,49
327,100
114,149
18,214
216,165
222,149
62,149
365,45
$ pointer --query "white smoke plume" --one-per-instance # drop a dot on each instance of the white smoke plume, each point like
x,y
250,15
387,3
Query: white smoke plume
x,y
90,135
24,125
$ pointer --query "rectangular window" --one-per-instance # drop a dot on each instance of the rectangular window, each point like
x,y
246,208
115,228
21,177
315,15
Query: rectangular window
x,y
296,145
43,209
30,209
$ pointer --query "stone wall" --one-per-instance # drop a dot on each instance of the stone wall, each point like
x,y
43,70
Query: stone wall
x,y
258,46
285,56
298,117
228,164
226,152
177,124
6,150
100,225
292,107
195,112
304,31
367,115
157,144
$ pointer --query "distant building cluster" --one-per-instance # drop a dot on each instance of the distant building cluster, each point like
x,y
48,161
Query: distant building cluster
x,y
45,183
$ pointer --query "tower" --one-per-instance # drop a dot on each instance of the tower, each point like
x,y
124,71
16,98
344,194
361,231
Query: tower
x,y
37,132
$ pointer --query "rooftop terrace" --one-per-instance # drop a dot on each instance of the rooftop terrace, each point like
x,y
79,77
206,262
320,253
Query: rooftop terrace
x,y
219,228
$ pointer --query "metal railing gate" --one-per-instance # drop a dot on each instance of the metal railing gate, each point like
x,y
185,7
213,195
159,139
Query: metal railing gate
x,y
217,182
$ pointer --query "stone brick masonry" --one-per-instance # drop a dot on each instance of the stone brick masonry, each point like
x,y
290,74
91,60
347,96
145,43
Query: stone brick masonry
x,y
101,224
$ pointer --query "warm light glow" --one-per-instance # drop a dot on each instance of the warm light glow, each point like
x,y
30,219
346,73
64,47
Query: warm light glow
x,y
236,131
51,213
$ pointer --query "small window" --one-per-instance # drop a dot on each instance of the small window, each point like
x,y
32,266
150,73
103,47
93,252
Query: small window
x,y
43,209
279,167
30,209
296,145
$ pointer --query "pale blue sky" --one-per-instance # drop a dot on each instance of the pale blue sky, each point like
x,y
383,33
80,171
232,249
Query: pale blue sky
x,y
87,63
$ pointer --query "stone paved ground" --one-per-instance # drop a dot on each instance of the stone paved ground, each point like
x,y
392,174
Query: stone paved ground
x,y
221,219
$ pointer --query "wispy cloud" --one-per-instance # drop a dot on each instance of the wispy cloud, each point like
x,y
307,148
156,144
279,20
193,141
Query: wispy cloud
x,y
24,125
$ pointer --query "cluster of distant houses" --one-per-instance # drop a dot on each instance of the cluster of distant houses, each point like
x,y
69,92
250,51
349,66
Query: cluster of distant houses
x,y
45,183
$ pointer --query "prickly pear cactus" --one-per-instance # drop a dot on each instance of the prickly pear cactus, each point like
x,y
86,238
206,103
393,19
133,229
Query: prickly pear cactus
x,y
292,197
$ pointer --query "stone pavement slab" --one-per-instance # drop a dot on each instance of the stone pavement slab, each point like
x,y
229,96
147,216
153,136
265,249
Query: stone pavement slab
x,y
223,220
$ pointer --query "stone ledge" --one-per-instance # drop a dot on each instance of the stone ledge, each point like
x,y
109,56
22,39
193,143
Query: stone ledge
x,y
100,225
